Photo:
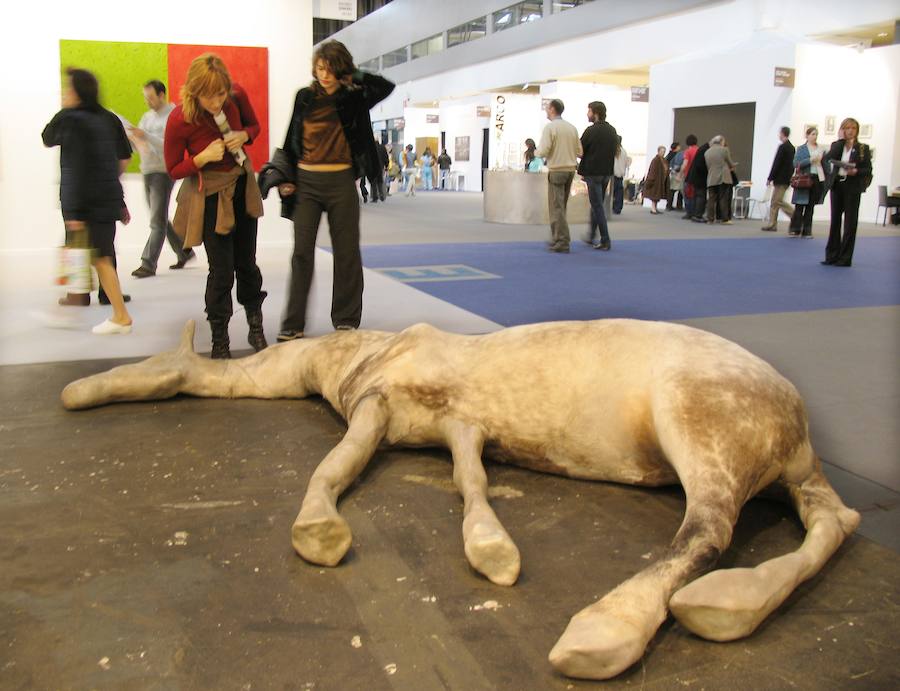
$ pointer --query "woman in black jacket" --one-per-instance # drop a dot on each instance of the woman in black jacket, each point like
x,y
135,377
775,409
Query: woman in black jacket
x,y
850,165
329,144
94,152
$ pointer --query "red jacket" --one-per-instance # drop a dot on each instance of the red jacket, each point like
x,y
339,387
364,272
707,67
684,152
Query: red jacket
x,y
183,141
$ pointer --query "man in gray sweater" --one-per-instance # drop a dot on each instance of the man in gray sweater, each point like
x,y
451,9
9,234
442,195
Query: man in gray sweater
x,y
559,147
147,138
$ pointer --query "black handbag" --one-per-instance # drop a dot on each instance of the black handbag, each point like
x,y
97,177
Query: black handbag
x,y
801,181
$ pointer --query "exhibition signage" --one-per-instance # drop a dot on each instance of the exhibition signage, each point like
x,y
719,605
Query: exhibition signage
x,y
344,10
640,94
432,119
482,111
784,76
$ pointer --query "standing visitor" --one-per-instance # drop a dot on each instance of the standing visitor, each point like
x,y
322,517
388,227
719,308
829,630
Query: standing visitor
x,y
219,201
850,163
655,182
560,147
599,143
330,132
808,161
444,164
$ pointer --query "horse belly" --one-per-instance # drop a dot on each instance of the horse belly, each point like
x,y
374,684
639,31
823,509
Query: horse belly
x,y
628,464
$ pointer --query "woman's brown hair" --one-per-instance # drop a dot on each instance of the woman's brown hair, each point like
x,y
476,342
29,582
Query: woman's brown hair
x,y
336,57
207,75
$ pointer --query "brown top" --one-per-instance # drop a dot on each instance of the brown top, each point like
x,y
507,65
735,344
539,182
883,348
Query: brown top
x,y
323,136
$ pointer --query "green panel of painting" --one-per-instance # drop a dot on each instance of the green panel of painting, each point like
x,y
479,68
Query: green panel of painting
x,y
122,70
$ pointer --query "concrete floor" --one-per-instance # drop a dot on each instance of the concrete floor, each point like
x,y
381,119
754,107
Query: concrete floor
x,y
147,546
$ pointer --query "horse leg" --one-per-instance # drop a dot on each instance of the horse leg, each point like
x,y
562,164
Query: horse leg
x,y
488,546
319,534
607,637
730,603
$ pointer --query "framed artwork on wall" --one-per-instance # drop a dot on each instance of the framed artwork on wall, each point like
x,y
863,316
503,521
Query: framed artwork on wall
x,y
122,68
865,131
829,124
461,148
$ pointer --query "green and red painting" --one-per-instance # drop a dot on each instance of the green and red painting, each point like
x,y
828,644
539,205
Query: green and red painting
x,y
123,69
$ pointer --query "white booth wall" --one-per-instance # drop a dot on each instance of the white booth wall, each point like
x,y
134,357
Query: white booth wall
x,y
842,82
29,173
742,74
830,80
459,118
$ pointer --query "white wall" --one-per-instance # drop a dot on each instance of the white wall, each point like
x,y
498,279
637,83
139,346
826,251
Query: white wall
x,y
458,119
829,81
29,60
869,90
743,73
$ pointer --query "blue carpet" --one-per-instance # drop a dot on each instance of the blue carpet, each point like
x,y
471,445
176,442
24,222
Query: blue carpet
x,y
654,279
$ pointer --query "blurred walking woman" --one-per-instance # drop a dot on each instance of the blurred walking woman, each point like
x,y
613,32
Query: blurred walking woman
x,y
93,154
329,145
808,161
850,165
219,202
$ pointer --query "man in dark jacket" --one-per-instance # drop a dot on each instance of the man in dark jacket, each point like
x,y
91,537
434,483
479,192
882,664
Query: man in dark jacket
x,y
94,152
780,179
599,142
697,177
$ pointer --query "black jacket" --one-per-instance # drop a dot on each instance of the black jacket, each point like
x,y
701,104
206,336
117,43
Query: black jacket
x,y
599,142
353,104
278,171
699,171
92,141
859,154
783,165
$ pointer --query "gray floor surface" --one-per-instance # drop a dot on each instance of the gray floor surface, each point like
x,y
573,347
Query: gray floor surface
x,y
146,546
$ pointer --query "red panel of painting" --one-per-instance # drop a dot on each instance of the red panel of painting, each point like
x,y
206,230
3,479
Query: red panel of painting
x,y
249,67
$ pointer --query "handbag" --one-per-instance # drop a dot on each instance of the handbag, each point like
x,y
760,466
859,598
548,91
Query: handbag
x,y
801,181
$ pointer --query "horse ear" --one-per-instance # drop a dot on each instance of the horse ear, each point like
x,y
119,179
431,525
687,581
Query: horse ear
x,y
187,337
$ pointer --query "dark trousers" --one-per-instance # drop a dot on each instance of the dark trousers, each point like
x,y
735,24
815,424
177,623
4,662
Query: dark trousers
x,y
232,255
158,190
559,186
596,186
716,199
801,221
844,202
335,194
670,199
618,200
699,207
377,185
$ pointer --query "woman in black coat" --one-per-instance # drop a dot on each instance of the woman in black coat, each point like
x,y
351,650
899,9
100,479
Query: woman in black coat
x,y
94,152
850,164
329,145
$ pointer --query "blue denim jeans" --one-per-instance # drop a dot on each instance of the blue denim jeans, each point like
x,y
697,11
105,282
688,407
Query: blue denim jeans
x,y
158,189
596,186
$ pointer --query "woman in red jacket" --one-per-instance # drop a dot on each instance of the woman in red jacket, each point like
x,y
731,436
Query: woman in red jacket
x,y
219,202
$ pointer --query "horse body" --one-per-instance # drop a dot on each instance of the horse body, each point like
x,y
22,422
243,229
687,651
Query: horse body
x,y
627,401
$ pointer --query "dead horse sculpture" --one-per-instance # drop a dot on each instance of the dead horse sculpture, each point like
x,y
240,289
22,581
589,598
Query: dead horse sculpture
x,y
643,403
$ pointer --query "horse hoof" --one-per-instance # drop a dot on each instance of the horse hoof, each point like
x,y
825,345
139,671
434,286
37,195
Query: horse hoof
x,y
492,552
322,539
597,645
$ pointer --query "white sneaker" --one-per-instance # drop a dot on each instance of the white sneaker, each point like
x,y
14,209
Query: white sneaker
x,y
109,327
